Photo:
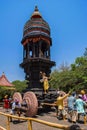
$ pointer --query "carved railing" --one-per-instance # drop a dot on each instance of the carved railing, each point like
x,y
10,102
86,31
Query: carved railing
x,y
30,120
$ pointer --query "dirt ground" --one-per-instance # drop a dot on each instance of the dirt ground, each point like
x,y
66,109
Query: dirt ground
x,y
43,115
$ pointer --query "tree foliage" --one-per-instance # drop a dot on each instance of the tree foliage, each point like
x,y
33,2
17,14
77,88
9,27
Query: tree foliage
x,y
4,90
20,85
73,77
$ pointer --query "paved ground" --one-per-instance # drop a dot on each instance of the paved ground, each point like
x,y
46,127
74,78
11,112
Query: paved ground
x,y
47,116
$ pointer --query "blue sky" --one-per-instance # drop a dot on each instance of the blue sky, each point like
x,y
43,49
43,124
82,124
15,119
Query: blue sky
x,y
68,23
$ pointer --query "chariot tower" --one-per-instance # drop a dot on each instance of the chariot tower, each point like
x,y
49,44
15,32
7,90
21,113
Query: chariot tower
x,y
36,43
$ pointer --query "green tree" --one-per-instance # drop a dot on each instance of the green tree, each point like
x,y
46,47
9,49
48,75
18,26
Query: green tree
x,y
4,90
73,77
20,85
60,78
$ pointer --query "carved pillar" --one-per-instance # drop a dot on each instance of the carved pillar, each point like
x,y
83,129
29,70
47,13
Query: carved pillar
x,y
24,52
49,52
28,50
40,53
37,50
45,54
33,49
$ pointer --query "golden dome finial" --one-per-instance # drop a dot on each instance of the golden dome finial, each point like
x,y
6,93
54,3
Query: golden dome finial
x,y
3,73
36,13
36,8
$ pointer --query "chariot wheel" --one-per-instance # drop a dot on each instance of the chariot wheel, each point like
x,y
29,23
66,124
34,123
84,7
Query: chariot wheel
x,y
17,96
32,103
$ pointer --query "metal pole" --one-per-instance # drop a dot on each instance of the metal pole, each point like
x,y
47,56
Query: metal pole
x,y
8,123
29,125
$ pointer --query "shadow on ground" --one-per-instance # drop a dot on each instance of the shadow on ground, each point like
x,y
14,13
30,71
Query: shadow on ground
x,y
45,110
